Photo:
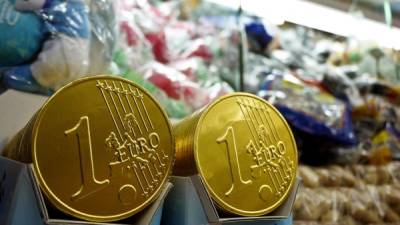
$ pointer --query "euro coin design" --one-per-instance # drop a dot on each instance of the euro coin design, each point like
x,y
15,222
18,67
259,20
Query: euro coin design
x,y
244,151
101,147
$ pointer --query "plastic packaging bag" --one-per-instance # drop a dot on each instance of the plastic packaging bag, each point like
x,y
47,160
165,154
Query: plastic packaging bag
x,y
175,108
309,109
175,84
66,50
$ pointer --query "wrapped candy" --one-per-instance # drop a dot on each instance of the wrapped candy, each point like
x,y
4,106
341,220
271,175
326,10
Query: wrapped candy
x,y
175,108
177,58
175,84
132,49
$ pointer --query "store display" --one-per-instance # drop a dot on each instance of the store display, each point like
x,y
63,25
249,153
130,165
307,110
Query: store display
x,y
120,148
334,99
261,164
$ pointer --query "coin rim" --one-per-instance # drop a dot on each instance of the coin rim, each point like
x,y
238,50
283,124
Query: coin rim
x,y
214,196
63,206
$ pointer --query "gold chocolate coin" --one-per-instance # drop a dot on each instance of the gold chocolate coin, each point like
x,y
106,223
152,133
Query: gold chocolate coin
x,y
244,151
102,148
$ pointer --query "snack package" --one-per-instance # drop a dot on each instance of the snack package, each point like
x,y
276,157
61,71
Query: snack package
x,y
310,109
51,43
376,124
342,87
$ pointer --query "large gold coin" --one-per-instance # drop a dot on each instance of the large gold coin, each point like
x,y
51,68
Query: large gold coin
x,y
243,149
101,147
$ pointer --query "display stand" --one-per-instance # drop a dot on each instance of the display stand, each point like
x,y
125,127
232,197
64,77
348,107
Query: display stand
x,y
18,205
189,203
22,202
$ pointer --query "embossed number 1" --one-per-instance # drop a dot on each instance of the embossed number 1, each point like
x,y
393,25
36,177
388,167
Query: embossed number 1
x,y
81,131
229,139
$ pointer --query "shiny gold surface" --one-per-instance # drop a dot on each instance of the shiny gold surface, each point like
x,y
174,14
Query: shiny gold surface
x,y
102,148
243,149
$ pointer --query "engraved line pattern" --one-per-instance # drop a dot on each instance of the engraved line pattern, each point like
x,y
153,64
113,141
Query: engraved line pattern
x,y
261,131
251,108
248,120
115,105
118,90
132,152
126,93
266,148
134,99
276,138
263,121
102,87
145,109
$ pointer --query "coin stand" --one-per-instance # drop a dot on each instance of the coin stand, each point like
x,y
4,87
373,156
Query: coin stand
x,y
189,203
18,204
22,202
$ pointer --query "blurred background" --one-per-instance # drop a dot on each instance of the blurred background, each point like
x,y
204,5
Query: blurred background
x,y
331,67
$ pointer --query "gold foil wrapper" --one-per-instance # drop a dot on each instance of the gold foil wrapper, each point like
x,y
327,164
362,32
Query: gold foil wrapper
x,y
244,151
101,147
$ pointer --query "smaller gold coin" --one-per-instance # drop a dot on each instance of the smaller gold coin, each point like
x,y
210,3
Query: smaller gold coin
x,y
243,149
